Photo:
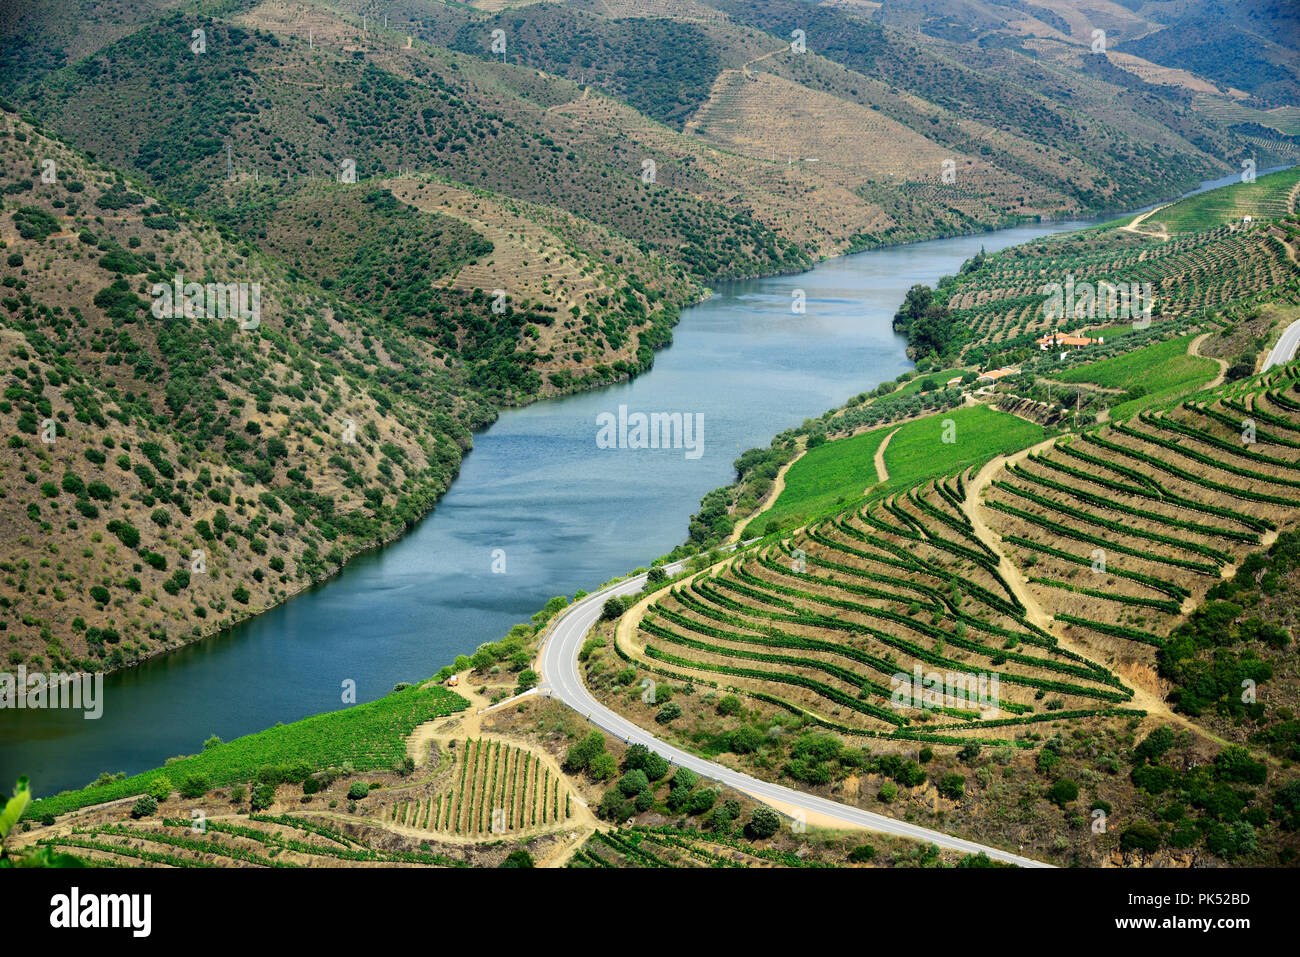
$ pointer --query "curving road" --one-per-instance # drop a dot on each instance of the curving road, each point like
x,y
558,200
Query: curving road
x,y
561,679
1285,349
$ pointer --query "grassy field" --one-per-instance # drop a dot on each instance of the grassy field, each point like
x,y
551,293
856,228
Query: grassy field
x,y
914,386
1165,370
919,451
369,736
839,472
829,475
1266,198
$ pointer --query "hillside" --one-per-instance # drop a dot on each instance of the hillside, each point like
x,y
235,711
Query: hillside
x,y
958,139
189,473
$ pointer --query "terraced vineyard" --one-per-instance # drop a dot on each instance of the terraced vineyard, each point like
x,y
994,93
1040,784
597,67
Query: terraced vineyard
x,y
259,840
821,624
498,788
641,847
1267,198
1121,530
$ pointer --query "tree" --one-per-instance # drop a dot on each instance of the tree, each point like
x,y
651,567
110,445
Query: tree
x,y
633,783
701,800
602,767
763,823
728,705
581,754
144,806
745,739
635,757
613,608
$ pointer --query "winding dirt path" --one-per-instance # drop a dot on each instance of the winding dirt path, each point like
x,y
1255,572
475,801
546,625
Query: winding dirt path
x,y
1138,220
778,486
882,471
1143,698
1194,349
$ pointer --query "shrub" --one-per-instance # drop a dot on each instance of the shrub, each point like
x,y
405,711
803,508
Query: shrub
x,y
602,767
763,823
634,782
862,853
160,788
581,754
888,791
194,786
728,705
1063,792
358,790
953,786
668,712
1141,836
263,797
613,608
518,858
144,806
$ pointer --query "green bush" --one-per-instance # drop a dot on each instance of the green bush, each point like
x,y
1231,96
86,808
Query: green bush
x,y
263,797
358,790
862,853
668,712
518,858
144,806
728,705
1140,836
1062,792
763,823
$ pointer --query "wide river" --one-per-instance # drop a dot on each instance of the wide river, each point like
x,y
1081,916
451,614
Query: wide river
x,y
535,494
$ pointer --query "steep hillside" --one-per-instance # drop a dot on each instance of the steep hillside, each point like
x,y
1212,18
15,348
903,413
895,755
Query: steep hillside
x,y
165,477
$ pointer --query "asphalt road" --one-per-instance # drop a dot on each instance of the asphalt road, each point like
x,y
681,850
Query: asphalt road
x,y
1285,349
560,678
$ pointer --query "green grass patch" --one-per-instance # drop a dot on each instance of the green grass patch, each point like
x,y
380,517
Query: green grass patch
x,y
919,450
831,474
369,736
1164,370
913,386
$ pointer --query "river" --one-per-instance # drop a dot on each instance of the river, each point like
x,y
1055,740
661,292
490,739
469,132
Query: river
x,y
535,497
